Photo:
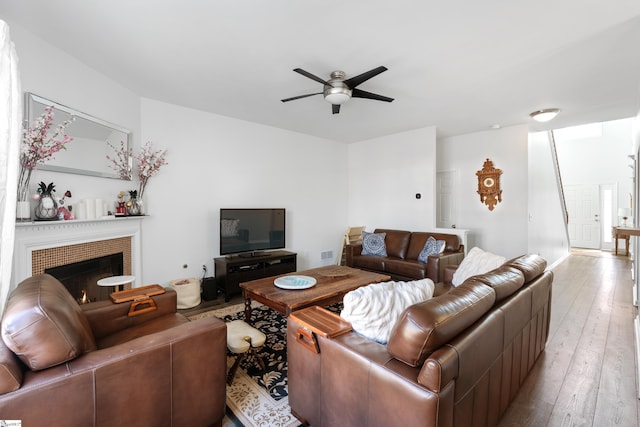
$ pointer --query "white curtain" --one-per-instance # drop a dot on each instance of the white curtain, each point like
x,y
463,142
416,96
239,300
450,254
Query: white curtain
x,y
10,134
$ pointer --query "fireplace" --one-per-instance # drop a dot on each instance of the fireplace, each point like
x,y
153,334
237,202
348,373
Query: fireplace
x,y
46,245
80,278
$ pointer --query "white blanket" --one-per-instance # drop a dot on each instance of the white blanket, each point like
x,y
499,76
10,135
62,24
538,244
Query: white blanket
x,y
373,310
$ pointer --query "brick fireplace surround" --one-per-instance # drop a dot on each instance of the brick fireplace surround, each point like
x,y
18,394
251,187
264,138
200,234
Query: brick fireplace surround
x,y
42,245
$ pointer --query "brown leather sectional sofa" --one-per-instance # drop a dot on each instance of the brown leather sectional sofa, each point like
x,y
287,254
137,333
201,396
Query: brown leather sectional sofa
x,y
64,364
403,248
457,359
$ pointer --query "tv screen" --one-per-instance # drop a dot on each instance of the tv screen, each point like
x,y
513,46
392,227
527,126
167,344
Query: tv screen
x,y
250,230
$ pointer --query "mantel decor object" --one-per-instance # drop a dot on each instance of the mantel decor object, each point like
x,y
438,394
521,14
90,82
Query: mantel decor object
x,y
47,209
489,184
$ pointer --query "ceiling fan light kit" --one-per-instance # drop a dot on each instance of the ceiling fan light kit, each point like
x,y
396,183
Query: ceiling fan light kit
x,y
339,90
545,115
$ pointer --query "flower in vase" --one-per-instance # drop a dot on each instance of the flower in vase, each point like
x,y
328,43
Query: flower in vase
x,y
148,163
38,146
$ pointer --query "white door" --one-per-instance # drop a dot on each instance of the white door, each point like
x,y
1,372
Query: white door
x,y
583,208
445,194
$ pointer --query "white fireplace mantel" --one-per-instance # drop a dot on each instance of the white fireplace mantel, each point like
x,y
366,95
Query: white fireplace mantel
x,y
33,236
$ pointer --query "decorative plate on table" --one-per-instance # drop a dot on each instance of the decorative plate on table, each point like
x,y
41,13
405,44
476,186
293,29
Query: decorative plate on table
x,y
295,282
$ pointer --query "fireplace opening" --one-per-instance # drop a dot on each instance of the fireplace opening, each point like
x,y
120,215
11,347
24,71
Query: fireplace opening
x,y
84,275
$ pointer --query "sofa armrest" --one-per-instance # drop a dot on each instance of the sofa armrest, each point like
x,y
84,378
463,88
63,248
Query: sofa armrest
x,y
352,250
437,263
161,374
447,276
107,317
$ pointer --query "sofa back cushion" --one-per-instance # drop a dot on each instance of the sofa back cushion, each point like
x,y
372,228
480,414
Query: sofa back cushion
x,y
396,242
505,281
419,238
426,326
43,325
531,265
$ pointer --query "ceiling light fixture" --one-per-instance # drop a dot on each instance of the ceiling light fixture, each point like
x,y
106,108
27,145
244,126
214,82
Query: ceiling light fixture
x,y
545,115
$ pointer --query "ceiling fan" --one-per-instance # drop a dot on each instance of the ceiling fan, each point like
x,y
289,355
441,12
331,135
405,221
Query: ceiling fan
x,y
337,90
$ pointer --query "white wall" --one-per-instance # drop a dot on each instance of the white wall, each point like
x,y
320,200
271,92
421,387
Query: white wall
x,y
504,230
547,232
218,162
53,74
214,162
600,160
386,173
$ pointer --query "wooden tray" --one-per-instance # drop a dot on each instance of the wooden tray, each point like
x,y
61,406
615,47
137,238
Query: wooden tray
x,y
321,321
136,293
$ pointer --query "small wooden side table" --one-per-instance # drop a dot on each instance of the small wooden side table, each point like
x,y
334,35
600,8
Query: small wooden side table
x,y
116,281
624,233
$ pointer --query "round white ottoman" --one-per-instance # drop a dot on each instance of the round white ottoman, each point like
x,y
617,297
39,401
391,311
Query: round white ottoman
x,y
242,339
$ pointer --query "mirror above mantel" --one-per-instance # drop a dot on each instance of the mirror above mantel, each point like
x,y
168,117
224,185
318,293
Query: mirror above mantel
x,y
93,140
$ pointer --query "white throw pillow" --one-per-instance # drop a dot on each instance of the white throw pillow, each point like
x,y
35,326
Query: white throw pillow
x,y
476,262
373,310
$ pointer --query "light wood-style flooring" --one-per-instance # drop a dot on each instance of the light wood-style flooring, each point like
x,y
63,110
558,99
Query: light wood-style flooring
x,y
587,374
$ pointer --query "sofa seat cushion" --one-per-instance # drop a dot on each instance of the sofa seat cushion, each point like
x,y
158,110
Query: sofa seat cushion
x,y
426,326
43,325
373,310
406,268
143,329
477,261
369,262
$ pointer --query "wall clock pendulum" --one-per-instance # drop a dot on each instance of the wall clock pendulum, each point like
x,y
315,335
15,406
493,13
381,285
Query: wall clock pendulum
x,y
489,184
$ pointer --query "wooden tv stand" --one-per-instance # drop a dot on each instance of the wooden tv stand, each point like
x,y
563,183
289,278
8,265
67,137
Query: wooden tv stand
x,y
232,270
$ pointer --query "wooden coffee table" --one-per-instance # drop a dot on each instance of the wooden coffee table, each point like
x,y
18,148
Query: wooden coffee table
x,y
332,283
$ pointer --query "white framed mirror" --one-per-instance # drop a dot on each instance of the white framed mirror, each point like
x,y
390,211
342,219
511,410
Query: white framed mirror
x,y
93,140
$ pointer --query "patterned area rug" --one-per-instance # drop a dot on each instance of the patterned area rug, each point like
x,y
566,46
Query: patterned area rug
x,y
259,398
256,397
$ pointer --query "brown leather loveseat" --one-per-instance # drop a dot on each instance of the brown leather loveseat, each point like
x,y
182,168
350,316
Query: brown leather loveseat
x,y
458,359
65,364
403,248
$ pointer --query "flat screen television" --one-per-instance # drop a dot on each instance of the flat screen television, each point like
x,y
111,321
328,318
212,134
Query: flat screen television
x,y
248,231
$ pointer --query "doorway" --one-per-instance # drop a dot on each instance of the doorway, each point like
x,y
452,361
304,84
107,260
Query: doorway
x,y
446,196
590,208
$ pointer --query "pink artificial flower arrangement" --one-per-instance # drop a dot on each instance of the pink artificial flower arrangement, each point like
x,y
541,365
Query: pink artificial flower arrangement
x,y
37,146
148,163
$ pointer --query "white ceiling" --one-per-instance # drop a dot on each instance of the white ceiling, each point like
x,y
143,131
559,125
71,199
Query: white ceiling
x,y
459,65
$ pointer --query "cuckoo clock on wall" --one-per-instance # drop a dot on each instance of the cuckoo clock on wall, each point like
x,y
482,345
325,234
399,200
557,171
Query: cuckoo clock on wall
x,y
489,184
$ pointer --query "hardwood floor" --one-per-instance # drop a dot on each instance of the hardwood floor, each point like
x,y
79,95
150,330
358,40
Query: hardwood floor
x,y
587,373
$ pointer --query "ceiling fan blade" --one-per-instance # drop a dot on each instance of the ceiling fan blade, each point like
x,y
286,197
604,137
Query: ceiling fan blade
x,y
335,108
357,93
311,76
300,96
355,81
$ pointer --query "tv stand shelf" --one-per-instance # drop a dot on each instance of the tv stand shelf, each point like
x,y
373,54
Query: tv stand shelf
x,y
235,269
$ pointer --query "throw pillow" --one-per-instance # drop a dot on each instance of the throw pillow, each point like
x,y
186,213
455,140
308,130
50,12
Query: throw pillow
x,y
373,244
476,262
431,247
373,310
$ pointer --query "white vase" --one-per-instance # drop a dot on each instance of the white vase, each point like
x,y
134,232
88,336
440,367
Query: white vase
x,y
23,210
